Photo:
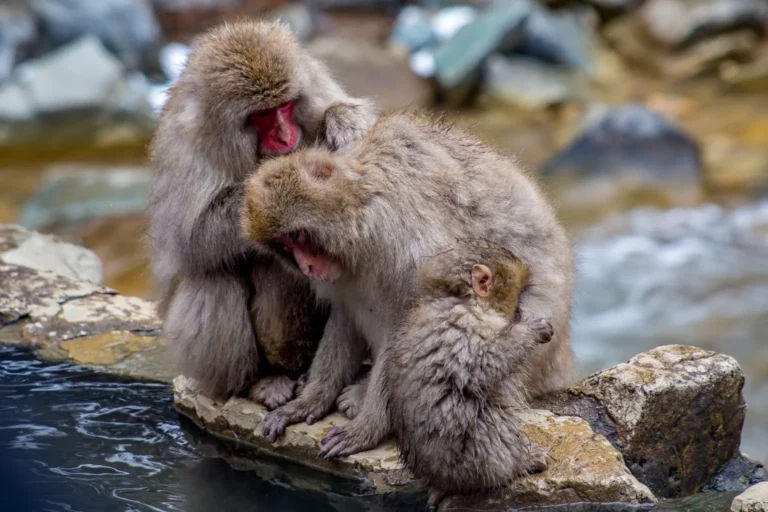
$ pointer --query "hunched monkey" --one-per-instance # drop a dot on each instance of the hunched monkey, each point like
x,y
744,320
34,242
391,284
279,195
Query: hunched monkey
x,y
358,221
455,369
231,312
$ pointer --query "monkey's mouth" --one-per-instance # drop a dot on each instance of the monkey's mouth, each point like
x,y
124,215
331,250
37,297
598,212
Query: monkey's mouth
x,y
309,257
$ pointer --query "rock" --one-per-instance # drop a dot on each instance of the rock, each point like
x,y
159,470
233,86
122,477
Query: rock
x,y
44,252
18,34
754,499
449,20
366,69
752,77
458,61
698,58
630,141
675,413
563,38
72,319
15,104
114,240
527,83
54,87
72,193
298,18
127,28
738,474
413,29
584,468
679,23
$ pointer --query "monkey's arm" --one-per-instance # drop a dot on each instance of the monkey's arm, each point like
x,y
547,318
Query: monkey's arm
x,y
336,363
214,237
371,424
344,119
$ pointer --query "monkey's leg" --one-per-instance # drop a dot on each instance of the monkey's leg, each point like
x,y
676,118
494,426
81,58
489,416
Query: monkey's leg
x,y
337,361
370,426
208,326
351,398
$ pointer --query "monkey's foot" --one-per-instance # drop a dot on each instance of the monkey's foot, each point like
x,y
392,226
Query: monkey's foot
x,y
542,330
298,410
434,497
351,399
273,391
354,437
538,459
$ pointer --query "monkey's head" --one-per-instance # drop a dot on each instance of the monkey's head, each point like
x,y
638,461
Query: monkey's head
x,y
476,270
245,77
309,207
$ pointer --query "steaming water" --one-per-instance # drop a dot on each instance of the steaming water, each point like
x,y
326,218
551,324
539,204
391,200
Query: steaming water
x,y
689,276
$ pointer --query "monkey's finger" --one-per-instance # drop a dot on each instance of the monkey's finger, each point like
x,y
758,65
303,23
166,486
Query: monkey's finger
x,y
274,425
330,435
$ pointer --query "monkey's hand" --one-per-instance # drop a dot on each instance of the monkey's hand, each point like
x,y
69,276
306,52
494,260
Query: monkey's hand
x,y
293,412
542,330
346,123
354,437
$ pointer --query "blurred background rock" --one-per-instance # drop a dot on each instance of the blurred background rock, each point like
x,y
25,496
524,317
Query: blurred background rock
x,y
646,120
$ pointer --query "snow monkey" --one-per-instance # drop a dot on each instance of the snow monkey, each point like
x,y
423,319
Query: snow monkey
x,y
455,372
357,221
236,319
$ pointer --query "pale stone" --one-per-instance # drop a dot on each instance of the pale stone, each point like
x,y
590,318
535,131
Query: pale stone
x,y
82,74
754,499
676,414
19,246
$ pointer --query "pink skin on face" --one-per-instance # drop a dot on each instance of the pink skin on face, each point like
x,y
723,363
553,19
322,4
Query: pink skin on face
x,y
312,263
278,132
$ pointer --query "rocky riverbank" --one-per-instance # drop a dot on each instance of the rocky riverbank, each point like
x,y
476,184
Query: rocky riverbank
x,y
665,424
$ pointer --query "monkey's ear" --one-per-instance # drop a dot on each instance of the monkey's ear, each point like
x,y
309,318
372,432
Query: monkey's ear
x,y
482,279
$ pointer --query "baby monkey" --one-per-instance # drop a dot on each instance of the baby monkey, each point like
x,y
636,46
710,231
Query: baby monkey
x,y
456,371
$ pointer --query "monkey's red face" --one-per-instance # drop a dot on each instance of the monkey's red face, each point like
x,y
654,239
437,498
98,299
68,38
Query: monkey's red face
x,y
277,129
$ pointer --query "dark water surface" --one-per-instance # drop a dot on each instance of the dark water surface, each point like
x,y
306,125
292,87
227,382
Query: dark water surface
x,y
75,440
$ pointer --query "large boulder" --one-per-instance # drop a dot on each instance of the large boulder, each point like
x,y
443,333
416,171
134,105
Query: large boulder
x,y
675,413
623,157
127,28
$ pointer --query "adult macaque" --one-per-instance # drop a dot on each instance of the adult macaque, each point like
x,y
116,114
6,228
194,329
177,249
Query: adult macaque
x,y
231,311
455,372
357,223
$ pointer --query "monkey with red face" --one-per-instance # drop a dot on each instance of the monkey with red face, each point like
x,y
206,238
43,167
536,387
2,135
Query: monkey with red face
x,y
235,319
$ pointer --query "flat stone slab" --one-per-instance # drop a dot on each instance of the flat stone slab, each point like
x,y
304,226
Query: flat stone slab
x,y
585,467
61,318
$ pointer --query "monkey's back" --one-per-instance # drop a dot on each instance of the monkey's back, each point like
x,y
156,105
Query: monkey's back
x,y
451,432
435,184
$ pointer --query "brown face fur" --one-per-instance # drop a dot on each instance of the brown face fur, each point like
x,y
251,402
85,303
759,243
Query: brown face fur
x,y
452,273
253,65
